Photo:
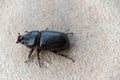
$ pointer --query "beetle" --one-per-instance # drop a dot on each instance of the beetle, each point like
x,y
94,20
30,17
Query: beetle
x,y
45,40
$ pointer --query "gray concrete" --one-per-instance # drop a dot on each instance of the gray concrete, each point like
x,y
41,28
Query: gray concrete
x,y
95,45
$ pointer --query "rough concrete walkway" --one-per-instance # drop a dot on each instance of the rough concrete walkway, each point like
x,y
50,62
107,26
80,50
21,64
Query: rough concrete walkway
x,y
95,45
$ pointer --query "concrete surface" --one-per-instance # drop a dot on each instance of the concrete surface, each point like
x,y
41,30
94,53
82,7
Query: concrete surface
x,y
95,45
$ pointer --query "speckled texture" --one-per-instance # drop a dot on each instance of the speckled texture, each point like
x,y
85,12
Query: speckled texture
x,y
95,45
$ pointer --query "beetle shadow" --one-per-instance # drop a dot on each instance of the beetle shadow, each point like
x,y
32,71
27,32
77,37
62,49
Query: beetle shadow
x,y
45,56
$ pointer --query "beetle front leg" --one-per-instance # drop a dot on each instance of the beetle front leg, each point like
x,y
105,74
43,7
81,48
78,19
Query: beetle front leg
x,y
30,55
38,56
56,52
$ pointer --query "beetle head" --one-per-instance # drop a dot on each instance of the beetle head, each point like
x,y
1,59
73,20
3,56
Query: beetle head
x,y
19,38
29,39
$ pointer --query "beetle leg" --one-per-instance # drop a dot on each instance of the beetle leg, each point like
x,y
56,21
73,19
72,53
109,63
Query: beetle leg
x,y
47,29
64,55
29,56
38,56
26,31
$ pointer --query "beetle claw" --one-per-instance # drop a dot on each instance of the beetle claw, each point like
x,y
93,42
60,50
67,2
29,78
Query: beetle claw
x,y
39,63
17,42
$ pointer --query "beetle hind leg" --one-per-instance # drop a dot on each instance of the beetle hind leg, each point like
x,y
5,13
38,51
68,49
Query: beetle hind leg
x,y
56,52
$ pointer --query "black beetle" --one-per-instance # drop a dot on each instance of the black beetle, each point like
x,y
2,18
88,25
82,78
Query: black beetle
x,y
45,40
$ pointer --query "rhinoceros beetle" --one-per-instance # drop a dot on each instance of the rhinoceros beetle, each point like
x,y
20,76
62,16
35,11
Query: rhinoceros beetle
x,y
45,40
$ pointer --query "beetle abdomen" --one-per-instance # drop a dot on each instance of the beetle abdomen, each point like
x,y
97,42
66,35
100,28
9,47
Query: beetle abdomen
x,y
51,40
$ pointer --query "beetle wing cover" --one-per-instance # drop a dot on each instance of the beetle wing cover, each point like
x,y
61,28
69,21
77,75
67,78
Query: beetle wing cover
x,y
52,40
